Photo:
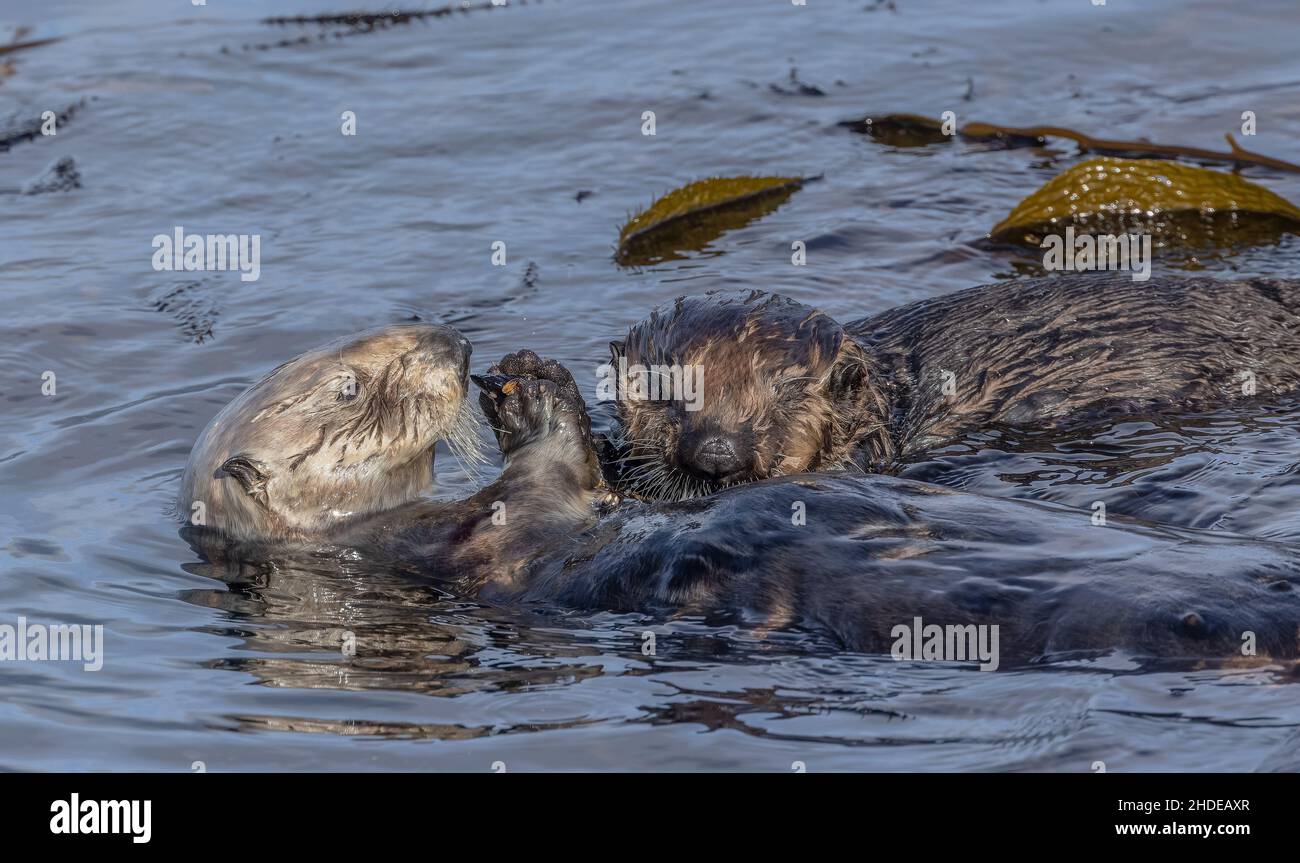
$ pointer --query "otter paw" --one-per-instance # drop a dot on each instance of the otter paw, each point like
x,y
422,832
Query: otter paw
x,y
527,364
522,410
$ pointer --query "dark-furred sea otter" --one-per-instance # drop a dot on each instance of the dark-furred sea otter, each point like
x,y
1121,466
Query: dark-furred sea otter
x,y
786,389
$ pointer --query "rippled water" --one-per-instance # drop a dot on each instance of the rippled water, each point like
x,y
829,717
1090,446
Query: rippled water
x,y
485,126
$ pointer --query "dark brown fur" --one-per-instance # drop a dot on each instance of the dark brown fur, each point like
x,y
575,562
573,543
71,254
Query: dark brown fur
x,y
811,395
783,386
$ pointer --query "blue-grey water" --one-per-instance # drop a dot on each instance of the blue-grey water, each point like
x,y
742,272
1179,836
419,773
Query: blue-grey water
x,y
484,127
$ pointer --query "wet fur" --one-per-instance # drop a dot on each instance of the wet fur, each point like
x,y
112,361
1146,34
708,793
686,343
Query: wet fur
x,y
1078,350
332,435
878,551
1048,351
875,552
782,375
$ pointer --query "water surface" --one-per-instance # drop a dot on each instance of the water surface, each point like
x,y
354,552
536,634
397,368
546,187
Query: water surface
x,y
485,126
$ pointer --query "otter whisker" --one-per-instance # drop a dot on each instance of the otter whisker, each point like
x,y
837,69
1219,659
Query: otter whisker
x,y
651,457
651,484
638,443
645,482
640,471
465,443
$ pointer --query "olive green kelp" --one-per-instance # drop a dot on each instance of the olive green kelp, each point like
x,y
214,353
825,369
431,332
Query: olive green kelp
x,y
690,217
1180,206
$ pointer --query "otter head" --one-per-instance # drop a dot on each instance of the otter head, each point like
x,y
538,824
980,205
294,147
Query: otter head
x,y
338,432
781,389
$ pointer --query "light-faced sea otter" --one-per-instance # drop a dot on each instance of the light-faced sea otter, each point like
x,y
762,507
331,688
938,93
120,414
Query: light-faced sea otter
x,y
869,554
335,434
786,389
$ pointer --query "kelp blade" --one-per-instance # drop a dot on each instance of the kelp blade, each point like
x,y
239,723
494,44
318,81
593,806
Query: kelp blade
x,y
689,218
1179,205
900,130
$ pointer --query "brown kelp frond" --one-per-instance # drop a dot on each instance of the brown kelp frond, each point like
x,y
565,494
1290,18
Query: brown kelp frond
x,y
689,217
914,130
1180,204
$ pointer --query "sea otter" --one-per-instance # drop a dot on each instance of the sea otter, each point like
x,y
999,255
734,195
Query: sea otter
x,y
868,554
333,435
786,389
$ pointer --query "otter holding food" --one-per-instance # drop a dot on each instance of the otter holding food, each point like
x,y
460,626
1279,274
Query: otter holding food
x,y
788,390
873,553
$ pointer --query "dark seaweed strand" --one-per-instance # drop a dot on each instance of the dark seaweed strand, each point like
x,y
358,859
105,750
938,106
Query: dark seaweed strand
x,y
366,21
31,129
357,23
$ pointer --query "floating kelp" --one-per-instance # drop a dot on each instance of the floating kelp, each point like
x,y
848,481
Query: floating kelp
x,y
12,47
900,130
914,130
373,20
689,218
797,87
1179,205
1033,135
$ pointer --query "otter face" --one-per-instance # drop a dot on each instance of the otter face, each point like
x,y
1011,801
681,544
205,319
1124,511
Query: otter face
x,y
345,430
780,386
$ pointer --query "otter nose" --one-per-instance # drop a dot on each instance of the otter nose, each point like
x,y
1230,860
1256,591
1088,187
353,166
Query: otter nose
x,y
443,344
715,457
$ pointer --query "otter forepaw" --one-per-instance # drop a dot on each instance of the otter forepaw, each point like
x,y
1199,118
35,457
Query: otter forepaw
x,y
527,364
523,410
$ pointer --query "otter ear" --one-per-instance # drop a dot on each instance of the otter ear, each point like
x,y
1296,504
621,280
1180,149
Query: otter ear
x,y
249,473
616,350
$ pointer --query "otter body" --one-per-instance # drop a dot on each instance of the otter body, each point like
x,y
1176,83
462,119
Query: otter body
x,y
788,390
872,553
1070,351
878,552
